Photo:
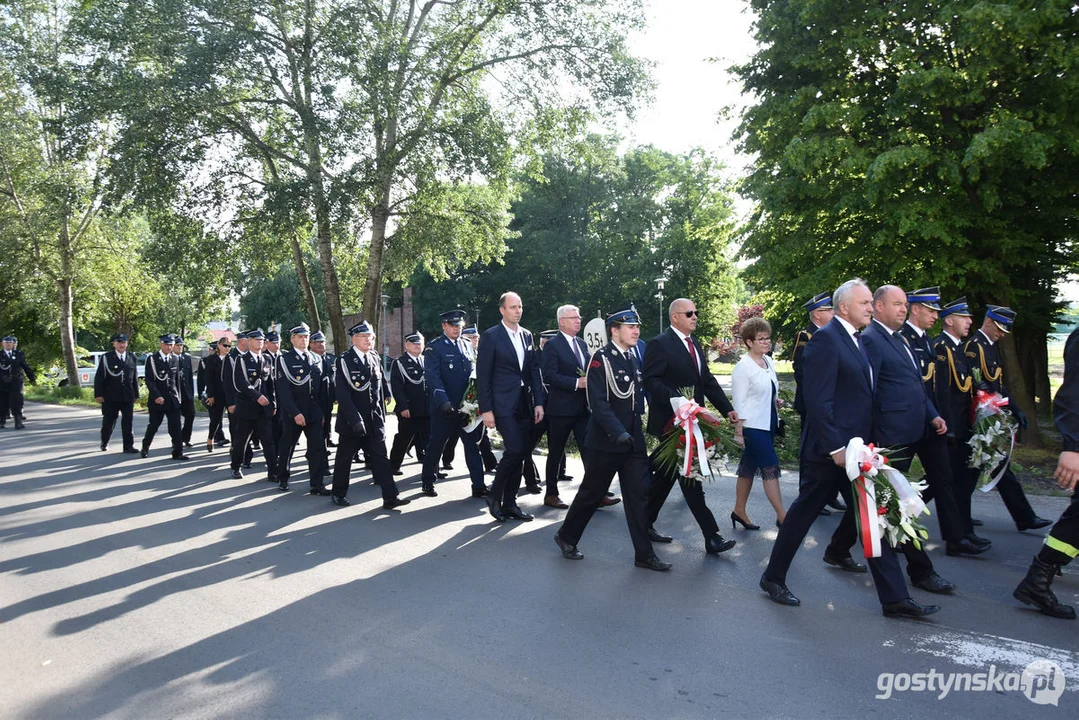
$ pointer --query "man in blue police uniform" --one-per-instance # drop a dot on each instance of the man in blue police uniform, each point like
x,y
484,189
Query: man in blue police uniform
x,y
187,390
13,368
932,449
820,312
447,370
162,378
362,394
614,443
327,393
1062,544
983,355
409,390
511,398
253,403
116,387
213,393
298,383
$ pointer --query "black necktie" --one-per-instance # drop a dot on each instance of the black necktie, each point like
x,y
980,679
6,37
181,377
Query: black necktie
x,y
861,348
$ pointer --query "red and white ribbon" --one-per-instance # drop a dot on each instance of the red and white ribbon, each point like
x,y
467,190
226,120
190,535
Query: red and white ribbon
x,y
685,417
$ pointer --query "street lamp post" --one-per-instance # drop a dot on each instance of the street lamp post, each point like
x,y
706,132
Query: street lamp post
x,y
660,281
385,340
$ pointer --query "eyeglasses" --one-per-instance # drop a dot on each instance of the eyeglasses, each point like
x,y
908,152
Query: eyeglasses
x,y
764,339
690,313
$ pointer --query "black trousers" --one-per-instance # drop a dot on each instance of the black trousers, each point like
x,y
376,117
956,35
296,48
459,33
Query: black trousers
x,y
516,432
234,438
449,450
529,471
327,420
157,414
411,431
109,412
558,432
187,412
663,479
599,470
934,453
374,449
819,484
1062,545
318,461
444,432
11,401
243,430
216,431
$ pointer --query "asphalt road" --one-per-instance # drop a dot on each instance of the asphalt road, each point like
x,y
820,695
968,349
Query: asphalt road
x,y
135,588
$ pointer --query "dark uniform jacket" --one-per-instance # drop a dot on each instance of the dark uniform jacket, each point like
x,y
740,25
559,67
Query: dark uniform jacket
x,y
922,347
162,379
298,380
408,386
953,385
186,377
800,342
252,377
1066,402
616,397
361,393
446,370
116,381
209,378
227,366
984,356
12,369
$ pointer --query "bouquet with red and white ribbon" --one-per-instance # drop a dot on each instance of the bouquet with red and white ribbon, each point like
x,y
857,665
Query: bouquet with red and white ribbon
x,y
993,437
888,505
694,439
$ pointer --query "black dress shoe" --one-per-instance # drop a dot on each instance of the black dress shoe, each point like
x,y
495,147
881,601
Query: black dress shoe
x,y
104,447
980,541
245,466
838,505
481,492
515,512
569,552
395,503
441,475
963,546
237,475
825,511
131,451
181,456
532,488
187,445
397,473
656,537
319,490
494,508
429,490
339,501
1036,523
976,522
330,443
652,563
845,563
565,477
908,608
144,453
934,583
223,443
714,544
447,466
778,592
282,484
270,477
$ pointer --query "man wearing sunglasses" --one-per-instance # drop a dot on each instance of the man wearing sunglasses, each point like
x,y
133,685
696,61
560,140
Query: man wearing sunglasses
x,y
213,393
674,361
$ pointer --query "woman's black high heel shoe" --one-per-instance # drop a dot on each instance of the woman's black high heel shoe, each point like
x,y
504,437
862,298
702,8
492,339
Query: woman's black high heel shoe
x,y
747,526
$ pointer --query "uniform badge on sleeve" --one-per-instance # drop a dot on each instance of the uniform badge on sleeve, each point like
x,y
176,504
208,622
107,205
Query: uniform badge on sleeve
x,y
594,364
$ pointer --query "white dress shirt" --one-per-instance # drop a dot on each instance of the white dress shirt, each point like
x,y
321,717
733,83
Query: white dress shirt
x,y
518,343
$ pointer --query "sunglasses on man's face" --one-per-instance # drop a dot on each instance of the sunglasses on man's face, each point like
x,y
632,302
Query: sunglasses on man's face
x,y
691,313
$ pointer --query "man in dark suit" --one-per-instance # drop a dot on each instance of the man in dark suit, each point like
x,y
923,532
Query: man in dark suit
x,y
674,361
298,381
187,390
983,354
253,404
615,443
362,394
839,406
116,386
212,391
162,379
13,370
906,420
511,398
565,358
328,392
410,403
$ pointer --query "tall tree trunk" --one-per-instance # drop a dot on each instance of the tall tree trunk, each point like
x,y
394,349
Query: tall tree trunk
x,y
66,299
329,273
372,289
305,283
1018,391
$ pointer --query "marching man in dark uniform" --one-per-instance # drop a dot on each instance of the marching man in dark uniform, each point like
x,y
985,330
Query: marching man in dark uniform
x,y
1062,544
253,403
447,369
820,314
228,366
299,382
271,351
327,393
162,379
361,417
615,444
116,386
13,367
187,390
410,397
984,355
213,393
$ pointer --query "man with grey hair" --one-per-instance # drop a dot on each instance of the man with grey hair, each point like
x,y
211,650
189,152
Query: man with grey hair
x,y
839,406
675,360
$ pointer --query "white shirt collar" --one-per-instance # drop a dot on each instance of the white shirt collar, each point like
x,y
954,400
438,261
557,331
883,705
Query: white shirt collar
x,y
570,339
953,337
917,330
511,332
624,351
885,327
681,335
989,339
847,326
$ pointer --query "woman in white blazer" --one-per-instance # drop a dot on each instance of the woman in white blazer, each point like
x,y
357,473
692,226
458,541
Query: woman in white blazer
x,y
755,388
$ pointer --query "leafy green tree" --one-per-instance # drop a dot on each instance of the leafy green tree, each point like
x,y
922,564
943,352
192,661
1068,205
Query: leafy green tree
x,y
929,143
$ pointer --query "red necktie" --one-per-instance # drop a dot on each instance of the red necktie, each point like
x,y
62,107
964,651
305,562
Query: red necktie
x,y
693,354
